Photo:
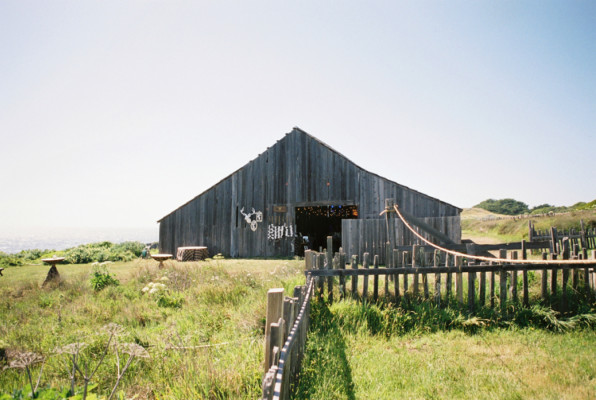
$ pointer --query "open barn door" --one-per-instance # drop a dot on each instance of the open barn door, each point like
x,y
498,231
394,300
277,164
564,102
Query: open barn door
x,y
315,223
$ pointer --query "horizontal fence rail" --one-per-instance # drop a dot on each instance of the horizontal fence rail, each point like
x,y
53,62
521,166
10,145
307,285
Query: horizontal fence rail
x,y
439,276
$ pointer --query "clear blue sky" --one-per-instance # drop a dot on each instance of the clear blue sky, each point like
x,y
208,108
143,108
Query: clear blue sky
x,y
114,113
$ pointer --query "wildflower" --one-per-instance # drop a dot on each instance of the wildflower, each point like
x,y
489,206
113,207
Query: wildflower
x,y
26,359
113,329
134,350
73,348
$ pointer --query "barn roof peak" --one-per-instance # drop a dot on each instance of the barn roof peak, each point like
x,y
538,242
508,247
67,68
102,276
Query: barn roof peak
x,y
299,131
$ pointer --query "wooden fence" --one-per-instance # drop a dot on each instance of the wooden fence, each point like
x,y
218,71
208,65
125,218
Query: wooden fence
x,y
285,338
585,238
433,274
361,236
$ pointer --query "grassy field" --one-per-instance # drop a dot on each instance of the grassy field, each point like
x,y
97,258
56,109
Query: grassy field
x,y
353,353
485,227
203,330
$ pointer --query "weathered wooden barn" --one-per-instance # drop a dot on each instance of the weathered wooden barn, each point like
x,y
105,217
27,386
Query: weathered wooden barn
x,y
300,187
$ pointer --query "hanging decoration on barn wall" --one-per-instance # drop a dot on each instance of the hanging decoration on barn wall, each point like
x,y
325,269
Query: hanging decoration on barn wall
x,y
254,223
276,232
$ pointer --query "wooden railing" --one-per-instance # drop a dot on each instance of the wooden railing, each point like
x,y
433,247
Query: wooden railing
x,y
285,338
433,275
558,239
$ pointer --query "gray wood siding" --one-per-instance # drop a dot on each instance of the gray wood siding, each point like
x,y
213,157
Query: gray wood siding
x,y
370,235
297,170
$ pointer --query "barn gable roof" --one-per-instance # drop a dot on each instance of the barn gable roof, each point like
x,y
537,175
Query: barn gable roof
x,y
298,131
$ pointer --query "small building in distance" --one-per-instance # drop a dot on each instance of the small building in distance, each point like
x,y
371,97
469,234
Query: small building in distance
x,y
295,194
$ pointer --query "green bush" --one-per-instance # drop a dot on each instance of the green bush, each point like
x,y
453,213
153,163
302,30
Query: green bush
x,y
104,251
166,300
101,278
504,206
8,260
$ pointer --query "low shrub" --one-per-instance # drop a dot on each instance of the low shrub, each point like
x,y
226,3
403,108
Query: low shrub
x,y
101,278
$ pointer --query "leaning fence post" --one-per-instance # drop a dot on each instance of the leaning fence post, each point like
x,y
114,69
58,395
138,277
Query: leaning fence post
x,y
275,299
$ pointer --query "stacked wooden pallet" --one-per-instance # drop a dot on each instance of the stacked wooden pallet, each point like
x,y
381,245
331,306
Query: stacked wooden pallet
x,y
192,253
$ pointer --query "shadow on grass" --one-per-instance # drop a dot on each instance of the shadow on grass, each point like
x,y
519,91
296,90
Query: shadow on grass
x,y
326,371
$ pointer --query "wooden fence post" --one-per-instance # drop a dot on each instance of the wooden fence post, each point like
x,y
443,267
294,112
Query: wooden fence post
x,y
526,295
275,299
425,263
276,344
288,316
492,288
355,277
503,282
565,278
415,262
269,383
405,256
436,258
397,260
329,266
388,255
575,271
553,280
459,280
308,264
471,250
376,278
342,279
553,241
544,285
365,278
320,266
448,280
514,296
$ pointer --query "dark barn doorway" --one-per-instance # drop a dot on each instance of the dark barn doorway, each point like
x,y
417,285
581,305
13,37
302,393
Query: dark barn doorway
x,y
315,223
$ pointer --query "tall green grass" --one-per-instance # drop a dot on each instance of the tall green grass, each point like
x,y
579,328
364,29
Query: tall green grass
x,y
205,340
418,351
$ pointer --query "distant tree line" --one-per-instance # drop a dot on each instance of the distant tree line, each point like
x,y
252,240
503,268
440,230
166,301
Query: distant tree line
x,y
515,207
